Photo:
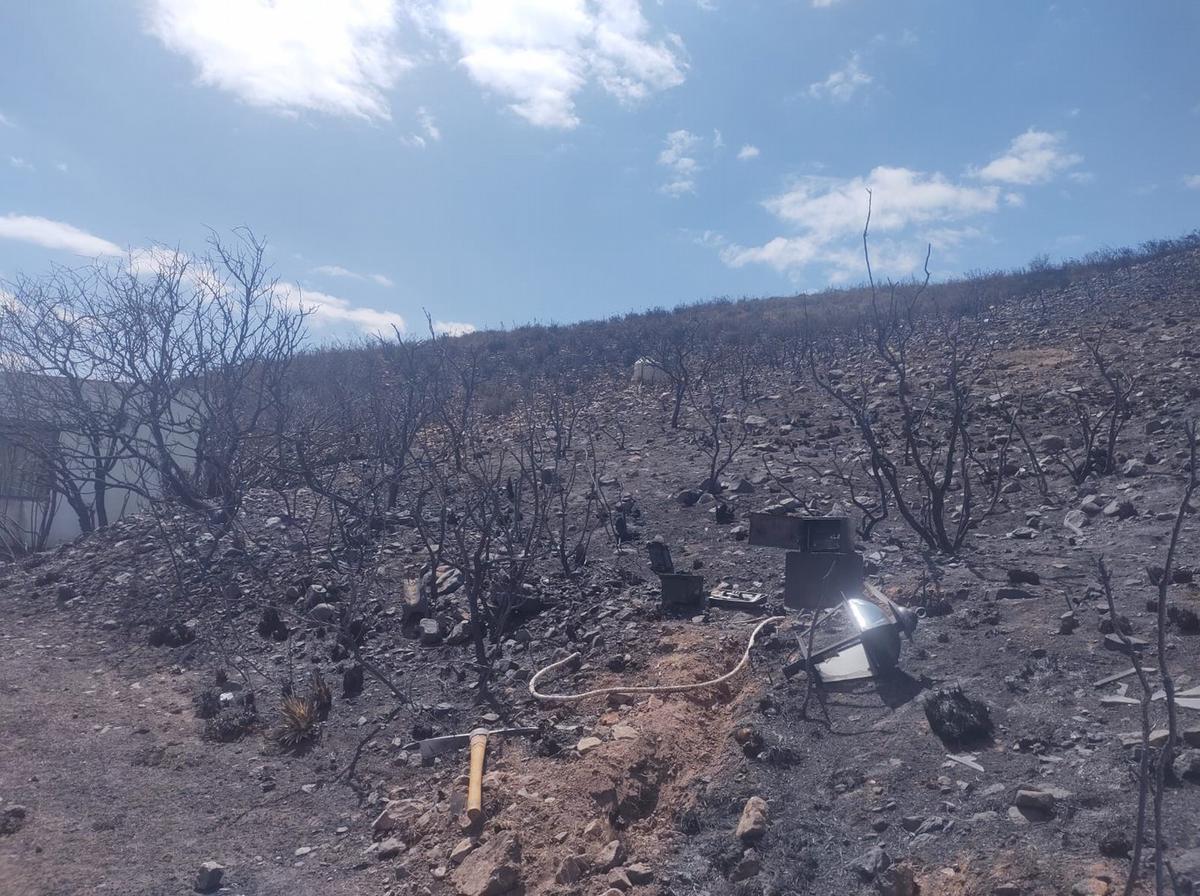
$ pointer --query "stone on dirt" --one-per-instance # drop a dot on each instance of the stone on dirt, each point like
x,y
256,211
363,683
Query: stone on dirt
x,y
609,856
1013,594
1039,802
1091,886
753,823
572,869
390,848
1024,577
639,873
13,819
898,880
326,613
432,632
871,863
208,877
491,870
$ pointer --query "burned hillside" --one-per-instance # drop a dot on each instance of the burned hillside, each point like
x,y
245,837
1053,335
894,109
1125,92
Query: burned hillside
x,y
257,684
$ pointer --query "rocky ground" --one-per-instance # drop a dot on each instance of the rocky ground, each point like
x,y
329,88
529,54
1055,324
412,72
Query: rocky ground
x,y
111,783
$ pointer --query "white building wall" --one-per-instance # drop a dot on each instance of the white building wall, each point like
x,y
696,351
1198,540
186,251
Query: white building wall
x,y
128,483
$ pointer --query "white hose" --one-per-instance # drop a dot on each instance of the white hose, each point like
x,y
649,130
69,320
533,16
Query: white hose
x,y
661,689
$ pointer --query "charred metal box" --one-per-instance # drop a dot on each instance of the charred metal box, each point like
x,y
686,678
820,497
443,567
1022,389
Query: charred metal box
x,y
811,534
682,589
679,589
817,580
822,569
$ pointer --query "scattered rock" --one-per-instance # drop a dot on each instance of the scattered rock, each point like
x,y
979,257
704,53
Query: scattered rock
x,y
1076,521
871,863
898,880
1068,622
609,856
1024,577
432,632
572,869
1126,644
618,879
492,869
12,819
1036,803
753,823
640,873
208,878
1122,510
1187,765
390,848
588,743
1091,886
461,850
325,614
1013,594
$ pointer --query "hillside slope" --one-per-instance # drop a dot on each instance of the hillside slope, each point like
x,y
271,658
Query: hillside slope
x,y
107,644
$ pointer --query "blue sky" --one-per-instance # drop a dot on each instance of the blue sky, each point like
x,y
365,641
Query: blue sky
x,y
507,161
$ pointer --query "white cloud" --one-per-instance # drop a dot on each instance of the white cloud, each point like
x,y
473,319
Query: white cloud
x,y
1192,181
909,208
429,130
1034,157
427,124
61,166
842,84
330,310
289,55
677,157
335,270
825,215
718,139
748,151
824,4
20,163
6,122
540,53
452,328
55,235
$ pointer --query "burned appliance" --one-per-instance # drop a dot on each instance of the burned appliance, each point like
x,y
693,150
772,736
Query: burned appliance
x,y
823,572
821,568
683,589
872,649
679,589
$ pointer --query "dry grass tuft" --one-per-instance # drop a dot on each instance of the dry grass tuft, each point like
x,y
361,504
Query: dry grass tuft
x,y
299,721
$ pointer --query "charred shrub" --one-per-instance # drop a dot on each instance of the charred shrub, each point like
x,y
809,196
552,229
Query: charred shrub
x,y
207,703
957,719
